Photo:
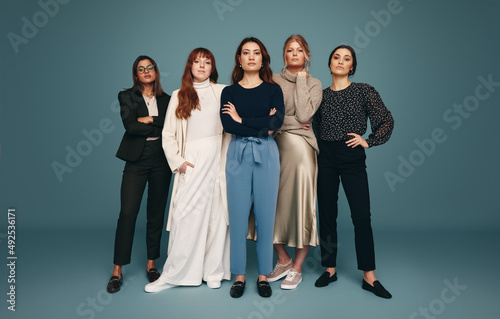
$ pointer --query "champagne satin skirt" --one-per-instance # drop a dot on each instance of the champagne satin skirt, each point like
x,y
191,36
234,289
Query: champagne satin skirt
x,y
295,224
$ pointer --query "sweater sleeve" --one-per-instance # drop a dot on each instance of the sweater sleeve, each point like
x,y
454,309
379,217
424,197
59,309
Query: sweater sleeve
x,y
307,98
128,113
381,121
270,122
229,125
290,122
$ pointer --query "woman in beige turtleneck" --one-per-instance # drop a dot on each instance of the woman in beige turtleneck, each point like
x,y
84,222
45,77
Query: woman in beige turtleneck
x,y
295,224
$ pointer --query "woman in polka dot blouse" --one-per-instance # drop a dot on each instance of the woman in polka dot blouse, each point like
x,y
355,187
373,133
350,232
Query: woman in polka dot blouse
x,y
339,124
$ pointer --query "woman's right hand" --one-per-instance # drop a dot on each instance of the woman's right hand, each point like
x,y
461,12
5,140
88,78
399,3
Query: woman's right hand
x,y
184,166
230,109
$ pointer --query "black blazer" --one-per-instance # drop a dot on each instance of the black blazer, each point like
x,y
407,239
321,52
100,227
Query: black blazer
x,y
133,106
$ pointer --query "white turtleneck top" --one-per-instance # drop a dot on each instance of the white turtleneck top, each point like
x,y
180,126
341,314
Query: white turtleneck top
x,y
205,121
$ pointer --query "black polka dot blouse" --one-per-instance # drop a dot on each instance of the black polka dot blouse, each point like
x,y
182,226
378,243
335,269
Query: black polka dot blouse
x,y
347,111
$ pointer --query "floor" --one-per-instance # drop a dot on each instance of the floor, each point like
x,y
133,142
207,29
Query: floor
x,y
63,274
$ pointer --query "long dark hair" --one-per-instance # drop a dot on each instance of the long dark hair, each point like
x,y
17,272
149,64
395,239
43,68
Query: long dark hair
x,y
157,90
265,73
188,98
353,54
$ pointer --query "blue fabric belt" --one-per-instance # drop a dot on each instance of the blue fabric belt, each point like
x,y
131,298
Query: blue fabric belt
x,y
251,141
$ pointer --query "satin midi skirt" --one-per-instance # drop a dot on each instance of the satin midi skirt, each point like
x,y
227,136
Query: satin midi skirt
x,y
296,223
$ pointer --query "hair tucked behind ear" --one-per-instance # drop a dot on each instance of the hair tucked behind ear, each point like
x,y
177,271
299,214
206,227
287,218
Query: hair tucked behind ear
x,y
353,54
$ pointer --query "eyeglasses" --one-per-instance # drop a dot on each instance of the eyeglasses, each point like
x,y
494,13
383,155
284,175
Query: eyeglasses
x,y
141,69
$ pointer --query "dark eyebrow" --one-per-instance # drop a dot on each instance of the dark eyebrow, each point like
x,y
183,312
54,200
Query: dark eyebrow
x,y
347,55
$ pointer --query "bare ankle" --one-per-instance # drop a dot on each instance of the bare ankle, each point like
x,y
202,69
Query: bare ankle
x,y
331,270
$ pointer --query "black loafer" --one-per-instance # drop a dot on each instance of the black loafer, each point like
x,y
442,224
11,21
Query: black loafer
x,y
264,289
114,284
377,289
237,289
153,274
325,279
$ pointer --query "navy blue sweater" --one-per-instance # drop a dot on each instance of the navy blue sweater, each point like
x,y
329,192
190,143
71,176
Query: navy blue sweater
x,y
253,106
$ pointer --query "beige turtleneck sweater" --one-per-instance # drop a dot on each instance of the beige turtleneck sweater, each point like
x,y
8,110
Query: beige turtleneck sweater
x,y
302,99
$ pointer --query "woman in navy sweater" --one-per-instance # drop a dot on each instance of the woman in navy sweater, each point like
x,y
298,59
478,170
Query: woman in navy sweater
x,y
252,107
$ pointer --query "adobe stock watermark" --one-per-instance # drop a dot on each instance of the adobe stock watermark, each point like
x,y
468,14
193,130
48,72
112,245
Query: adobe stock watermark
x,y
373,28
31,26
265,308
83,148
223,6
91,138
92,306
438,305
454,116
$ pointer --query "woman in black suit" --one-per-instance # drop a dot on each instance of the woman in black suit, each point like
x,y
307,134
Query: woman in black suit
x,y
142,108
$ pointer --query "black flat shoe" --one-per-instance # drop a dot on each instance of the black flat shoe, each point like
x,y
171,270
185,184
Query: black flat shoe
x,y
114,284
153,274
377,289
237,289
325,279
264,289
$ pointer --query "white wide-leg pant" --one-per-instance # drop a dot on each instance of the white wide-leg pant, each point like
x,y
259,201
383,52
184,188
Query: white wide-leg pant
x,y
198,247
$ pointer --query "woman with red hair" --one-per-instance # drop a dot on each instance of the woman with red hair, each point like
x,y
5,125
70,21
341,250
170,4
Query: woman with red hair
x,y
192,136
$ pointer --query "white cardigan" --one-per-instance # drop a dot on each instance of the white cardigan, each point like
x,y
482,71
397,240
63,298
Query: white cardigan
x,y
174,144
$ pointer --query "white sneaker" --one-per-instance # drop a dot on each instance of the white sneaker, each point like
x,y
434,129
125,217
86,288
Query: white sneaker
x,y
213,284
292,280
280,271
157,286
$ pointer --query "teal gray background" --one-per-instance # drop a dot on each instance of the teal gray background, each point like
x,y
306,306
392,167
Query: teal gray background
x,y
434,185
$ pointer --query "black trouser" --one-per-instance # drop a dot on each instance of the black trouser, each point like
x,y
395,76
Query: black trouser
x,y
338,162
151,168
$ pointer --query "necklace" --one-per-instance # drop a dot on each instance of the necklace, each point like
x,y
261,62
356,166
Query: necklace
x,y
148,98
203,96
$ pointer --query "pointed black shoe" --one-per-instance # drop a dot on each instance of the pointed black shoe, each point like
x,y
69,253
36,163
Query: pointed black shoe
x,y
153,274
325,279
114,284
377,289
264,289
237,289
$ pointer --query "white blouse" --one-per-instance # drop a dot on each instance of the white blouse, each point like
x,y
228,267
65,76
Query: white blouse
x,y
152,111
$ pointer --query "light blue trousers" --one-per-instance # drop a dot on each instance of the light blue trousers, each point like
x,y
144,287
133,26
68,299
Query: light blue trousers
x,y
252,172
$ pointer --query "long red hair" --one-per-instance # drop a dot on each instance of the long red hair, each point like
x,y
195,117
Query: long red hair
x,y
265,73
188,98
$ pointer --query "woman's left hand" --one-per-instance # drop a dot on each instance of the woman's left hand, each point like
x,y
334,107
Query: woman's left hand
x,y
356,141
145,119
231,110
306,125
